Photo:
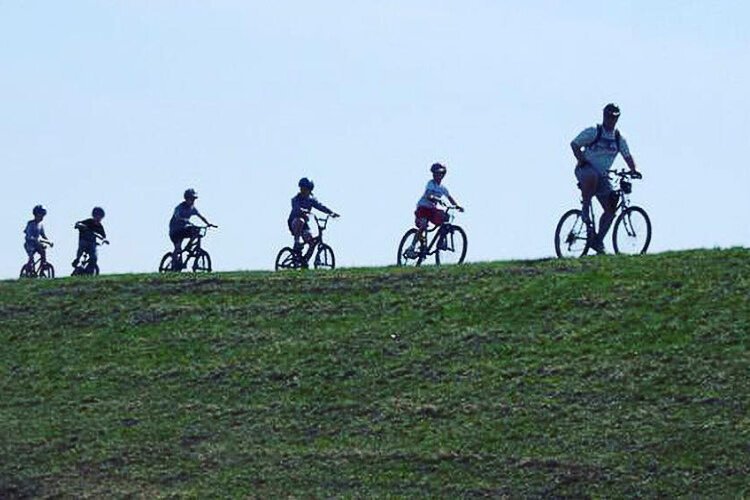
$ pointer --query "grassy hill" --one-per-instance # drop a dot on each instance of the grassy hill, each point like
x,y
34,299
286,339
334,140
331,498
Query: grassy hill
x,y
608,376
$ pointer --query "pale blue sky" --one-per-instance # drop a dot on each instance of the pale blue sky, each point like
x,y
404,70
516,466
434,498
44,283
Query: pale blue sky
x,y
125,104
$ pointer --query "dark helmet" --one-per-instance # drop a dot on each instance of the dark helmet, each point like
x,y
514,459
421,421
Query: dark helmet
x,y
39,210
190,194
306,183
438,168
611,110
97,212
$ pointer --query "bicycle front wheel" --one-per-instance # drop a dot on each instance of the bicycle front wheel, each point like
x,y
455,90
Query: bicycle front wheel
x,y
571,235
411,251
287,259
202,262
632,233
47,271
324,257
165,266
451,246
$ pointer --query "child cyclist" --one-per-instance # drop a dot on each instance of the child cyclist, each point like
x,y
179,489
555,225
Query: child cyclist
x,y
302,203
180,227
88,232
427,210
35,236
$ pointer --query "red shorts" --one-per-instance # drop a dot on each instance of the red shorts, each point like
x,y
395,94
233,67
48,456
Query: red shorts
x,y
434,215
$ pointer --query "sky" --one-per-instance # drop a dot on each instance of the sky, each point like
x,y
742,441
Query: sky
x,y
126,104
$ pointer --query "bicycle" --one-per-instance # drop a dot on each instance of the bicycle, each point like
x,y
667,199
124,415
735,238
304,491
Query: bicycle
x,y
192,251
84,268
631,233
448,244
38,269
290,258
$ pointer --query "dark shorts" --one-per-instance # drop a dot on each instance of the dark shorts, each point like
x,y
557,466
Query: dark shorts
x,y
298,226
33,247
604,187
183,233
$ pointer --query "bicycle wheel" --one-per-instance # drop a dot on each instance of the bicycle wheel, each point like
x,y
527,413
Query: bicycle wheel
x,y
408,256
202,262
571,235
632,233
47,271
26,272
324,257
451,246
287,259
165,266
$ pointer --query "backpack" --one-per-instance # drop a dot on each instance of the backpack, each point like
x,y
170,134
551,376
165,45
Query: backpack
x,y
599,130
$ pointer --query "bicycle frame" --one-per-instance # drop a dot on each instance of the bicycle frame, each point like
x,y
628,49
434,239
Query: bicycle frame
x,y
439,233
322,224
623,201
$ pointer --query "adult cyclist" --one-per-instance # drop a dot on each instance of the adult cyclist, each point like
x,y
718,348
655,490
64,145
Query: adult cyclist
x,y
596,149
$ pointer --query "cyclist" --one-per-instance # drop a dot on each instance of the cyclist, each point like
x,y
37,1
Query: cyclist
x,y
596,149
88,231
302,203
35,236
427,210
180,227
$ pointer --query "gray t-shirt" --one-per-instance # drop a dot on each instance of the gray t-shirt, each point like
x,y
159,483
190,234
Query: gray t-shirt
x,y
601,155
181,216
33,231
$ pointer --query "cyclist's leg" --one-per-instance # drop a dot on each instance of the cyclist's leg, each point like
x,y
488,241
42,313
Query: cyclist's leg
x,y
30,251
421,221
42,253
608,200
93,257
297,228
79,252
176,237
588,181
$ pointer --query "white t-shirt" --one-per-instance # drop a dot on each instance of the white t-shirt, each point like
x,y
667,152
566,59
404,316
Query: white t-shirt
x,y
602,154
433,190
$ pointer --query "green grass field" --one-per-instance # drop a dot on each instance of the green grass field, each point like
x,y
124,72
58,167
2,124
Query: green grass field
x,y
612,376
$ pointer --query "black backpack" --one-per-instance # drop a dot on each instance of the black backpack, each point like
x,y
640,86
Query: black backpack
x,y
599,130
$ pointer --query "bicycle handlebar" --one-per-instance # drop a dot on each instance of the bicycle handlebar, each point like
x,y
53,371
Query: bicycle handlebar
x,y
626,173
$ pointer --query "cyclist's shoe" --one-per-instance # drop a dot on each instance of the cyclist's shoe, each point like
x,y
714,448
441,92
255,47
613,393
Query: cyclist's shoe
x,y
598,247
410,253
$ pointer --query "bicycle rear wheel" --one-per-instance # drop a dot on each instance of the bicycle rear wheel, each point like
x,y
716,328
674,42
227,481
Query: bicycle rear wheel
x,y
632,233
47,271
165,266
571,235
26,272
451,246
408,255
202,262
287,259
324,257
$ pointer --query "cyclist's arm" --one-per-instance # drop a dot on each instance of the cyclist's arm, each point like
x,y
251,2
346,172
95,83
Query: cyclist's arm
x,y
321,207
578,152
454,202
205,221
631,163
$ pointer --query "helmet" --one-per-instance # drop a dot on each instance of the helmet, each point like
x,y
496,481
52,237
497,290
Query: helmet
x,y
438,168
306,183
39,210
97,212
611,110
190,194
